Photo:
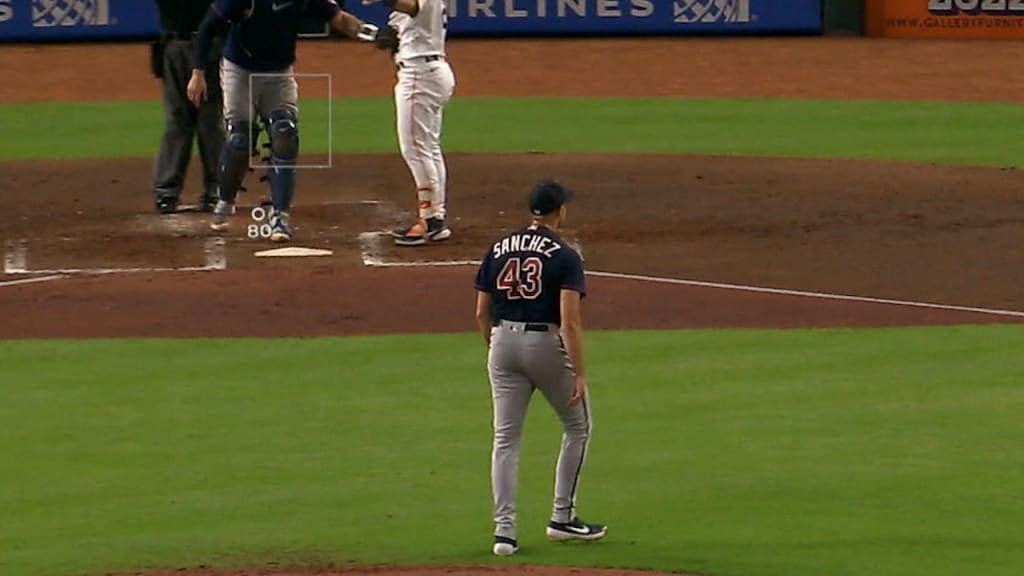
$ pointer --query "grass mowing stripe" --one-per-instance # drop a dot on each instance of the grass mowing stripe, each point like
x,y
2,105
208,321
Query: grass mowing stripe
x,y
746,453
970,133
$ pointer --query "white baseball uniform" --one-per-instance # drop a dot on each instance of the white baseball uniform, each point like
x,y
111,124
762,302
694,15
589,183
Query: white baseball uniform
x,y
425,84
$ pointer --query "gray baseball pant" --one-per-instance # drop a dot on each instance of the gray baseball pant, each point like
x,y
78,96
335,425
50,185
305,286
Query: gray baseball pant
x,y
520,361
270,91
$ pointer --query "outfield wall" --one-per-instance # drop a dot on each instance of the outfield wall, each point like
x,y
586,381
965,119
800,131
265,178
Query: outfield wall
x,y
844,17
974,19
43,20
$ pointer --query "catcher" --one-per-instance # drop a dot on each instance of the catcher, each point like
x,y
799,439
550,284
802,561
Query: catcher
x,y
260,53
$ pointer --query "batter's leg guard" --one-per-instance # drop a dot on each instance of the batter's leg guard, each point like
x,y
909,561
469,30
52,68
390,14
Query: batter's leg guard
x,y
234,159
284,152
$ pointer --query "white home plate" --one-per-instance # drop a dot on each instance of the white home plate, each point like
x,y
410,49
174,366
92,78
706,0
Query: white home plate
x,y
294,251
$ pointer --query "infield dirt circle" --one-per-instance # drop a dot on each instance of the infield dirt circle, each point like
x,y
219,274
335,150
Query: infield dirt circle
x,y
889,230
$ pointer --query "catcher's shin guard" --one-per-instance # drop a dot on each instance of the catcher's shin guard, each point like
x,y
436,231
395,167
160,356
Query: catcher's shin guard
x,y
234,159
284,152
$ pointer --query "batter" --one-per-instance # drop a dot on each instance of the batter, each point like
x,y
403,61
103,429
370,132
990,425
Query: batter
x,y
529,288
425,85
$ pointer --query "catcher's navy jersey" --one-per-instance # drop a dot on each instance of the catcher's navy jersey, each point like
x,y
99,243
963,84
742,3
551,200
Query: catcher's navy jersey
x,y
263,32
525,273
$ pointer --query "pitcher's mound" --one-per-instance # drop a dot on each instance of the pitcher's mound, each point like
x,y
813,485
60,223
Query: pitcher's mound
x,y
486,570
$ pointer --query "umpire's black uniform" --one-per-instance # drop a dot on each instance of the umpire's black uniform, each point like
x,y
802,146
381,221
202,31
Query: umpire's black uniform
x,y
172,60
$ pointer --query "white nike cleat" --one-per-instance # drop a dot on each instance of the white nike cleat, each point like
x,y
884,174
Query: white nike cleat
x,y
576,530
504,546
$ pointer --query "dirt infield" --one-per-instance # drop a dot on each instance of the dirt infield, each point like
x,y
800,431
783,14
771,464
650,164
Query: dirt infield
x,y
909,232
692,67
930,234
887,230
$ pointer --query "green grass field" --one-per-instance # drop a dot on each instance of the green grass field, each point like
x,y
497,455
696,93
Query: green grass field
x,y
754,453
968,133
732,453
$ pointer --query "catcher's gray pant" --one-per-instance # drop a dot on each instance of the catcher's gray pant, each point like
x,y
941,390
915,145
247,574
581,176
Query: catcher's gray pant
x,y
519,361
184,121
270,92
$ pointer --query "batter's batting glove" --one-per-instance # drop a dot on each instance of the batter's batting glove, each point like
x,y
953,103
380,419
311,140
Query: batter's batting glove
x,y
387,38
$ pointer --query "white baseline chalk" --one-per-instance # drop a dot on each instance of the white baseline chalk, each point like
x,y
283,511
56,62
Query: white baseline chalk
x,y
16,262
33,280
801,293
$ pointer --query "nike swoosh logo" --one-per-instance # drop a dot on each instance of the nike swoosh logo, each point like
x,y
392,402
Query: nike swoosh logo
x,y
278,7
579,530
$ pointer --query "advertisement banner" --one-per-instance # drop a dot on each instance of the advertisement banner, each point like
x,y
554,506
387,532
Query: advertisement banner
x,y
26,20
991,19
624,17
77,19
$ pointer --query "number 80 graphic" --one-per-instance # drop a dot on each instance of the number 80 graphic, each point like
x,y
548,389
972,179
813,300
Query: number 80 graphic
x,y
261,227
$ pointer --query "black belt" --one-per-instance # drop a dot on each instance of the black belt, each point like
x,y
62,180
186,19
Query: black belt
x,y
434,58
527,326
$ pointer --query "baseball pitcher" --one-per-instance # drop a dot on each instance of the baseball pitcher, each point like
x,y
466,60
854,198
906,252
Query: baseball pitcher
x,y
425,84
529,289
260,52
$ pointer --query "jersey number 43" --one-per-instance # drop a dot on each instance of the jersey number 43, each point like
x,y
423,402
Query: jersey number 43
x,y
520,278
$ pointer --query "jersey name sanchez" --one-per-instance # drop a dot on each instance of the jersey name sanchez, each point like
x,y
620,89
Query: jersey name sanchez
x,y
525,273
423,34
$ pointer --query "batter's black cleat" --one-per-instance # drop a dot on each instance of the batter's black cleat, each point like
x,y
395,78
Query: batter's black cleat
x,y
576,530
504,546
166,204
428,230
